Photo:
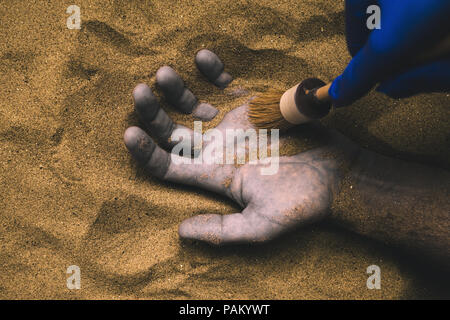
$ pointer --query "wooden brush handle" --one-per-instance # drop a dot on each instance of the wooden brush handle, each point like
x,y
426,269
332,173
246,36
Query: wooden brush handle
x,y
322,93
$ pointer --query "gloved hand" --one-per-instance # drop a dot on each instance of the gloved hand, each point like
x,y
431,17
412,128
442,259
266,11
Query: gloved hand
x,y
388,56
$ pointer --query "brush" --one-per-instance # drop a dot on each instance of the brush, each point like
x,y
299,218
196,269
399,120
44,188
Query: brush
x,y
279,109
309,100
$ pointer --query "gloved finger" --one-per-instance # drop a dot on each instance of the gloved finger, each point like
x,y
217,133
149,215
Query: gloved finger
x,y
216,229
433,77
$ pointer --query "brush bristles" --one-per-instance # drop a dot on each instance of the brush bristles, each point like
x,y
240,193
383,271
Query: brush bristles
x,y
264,111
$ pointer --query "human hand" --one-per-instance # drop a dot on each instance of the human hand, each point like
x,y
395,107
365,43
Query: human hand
x,y
298,193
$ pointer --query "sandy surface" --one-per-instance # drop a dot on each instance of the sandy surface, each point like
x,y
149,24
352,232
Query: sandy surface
x,y
71,195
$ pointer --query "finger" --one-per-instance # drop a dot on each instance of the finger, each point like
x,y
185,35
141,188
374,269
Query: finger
x,y
204,112
216,229
171,167
155,160
209,64
156,120
174,90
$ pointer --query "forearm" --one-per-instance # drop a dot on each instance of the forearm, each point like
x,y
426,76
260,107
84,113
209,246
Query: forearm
x,y
400,203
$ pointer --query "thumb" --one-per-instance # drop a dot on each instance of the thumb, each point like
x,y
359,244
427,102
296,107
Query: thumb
x,y
233,228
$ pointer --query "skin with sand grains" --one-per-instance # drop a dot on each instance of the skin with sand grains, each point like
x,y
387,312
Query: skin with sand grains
x,y
308,187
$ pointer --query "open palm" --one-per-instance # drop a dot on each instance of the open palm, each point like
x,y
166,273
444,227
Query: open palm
x,y
300,192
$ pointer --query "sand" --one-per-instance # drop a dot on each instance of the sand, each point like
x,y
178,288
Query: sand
x,y
72,195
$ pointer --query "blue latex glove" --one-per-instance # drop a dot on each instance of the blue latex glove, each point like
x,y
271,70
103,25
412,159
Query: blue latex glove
x,y
408,27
